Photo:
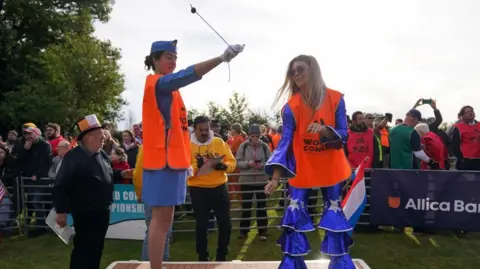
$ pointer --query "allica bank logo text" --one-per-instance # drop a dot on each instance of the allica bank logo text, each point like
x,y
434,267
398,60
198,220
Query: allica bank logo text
x,y
426,204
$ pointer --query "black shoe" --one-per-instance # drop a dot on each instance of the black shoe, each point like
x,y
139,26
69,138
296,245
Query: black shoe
x,y
203,258
243,235
461,234
263,236
221,258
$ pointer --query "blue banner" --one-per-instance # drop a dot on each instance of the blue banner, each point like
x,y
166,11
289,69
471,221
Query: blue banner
x,y
425,199
125,206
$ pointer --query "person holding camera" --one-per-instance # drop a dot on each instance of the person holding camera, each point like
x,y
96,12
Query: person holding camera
x,y
251,158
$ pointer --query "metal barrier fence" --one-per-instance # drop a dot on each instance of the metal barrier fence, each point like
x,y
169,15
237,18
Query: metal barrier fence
x,y
9,209
275,204
35,202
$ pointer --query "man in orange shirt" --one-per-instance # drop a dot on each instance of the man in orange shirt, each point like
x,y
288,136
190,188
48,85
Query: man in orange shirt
x,y
276,138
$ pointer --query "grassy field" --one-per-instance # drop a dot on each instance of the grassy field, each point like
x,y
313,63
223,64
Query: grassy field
x,y
380,250
383,250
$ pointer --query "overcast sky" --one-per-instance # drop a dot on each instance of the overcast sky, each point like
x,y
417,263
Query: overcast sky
x,y
383,55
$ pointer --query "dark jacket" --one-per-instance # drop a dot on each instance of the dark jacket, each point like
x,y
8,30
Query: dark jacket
x,y
131,155
433,126
35,161
8,171
84,182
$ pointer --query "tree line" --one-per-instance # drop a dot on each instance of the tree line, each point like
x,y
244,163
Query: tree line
x,y
237,111
52,67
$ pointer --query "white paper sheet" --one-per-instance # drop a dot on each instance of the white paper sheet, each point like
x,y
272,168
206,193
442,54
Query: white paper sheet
x,y
65,234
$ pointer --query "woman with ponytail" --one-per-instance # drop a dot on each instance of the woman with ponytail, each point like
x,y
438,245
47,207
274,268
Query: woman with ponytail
x,y
166,140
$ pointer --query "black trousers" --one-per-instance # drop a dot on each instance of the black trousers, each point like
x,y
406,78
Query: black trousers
x,y
203,201
248,191
312,202
90,230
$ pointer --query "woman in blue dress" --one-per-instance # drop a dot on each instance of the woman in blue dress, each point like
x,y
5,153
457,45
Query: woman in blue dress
x,y
166,142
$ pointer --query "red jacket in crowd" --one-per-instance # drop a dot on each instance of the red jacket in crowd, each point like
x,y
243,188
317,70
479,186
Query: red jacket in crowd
x,y
122,165
54,144
435,149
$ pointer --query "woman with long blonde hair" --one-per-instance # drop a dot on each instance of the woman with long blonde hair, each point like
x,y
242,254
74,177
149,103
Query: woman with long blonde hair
x,y
310,155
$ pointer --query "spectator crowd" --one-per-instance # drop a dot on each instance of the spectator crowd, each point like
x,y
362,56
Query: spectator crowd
x,y
412,142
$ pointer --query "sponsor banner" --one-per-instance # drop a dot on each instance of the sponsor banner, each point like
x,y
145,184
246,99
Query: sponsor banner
x,y
125,206
425,199
127,216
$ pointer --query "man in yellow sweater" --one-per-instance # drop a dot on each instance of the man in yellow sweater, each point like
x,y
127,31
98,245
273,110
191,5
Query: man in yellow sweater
x,y
137,184
208,187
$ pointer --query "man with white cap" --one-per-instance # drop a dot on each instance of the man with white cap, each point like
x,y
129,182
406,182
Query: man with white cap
x,y
84,187
34,156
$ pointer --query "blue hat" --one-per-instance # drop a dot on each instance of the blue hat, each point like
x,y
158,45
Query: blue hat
x,y
415,114
170,46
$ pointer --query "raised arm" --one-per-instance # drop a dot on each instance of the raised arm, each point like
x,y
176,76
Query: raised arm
x,y
182,78
193,73
177,80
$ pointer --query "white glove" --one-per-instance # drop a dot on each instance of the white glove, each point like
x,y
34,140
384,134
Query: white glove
x,y
231,52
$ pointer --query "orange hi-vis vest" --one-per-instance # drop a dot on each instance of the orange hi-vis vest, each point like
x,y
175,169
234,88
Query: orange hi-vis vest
x,y
469,139
162,148
276,139
316,166
384,138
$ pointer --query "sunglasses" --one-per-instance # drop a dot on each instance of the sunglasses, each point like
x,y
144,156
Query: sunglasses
x,y
254,136
300,70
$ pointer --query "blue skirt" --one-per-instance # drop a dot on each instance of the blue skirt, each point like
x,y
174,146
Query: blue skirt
x,y
164,187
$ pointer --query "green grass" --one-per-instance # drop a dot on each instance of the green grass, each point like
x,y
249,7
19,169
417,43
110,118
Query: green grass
x,y
382,250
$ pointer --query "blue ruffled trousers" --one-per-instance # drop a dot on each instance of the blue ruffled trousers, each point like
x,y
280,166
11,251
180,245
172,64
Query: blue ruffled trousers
x,y
296,223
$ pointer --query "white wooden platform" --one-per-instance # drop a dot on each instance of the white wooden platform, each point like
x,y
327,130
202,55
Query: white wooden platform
x,y
312,264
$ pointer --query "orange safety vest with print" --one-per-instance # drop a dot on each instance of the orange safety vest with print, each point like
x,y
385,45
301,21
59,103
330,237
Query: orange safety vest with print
x,y
164,145
275,140
270,142
469,139
384,138
360,146
316,166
